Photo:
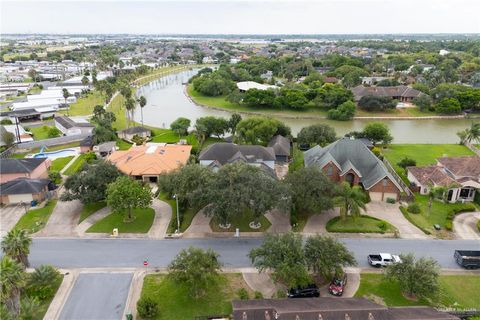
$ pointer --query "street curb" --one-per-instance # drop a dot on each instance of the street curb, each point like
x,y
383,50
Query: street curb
x,y
63,292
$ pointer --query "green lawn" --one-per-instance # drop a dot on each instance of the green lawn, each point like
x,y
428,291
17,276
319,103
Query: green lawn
x,y
84,105
297,160
186,216
453,289
59,163
241,222
123,145
40,133
142,223
89,209
423,154
40,311
75,166
436,215
362,224
35,219
174,300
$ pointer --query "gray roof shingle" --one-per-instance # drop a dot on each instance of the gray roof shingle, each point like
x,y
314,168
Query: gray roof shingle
x,y
26,165
23,186
229,152
68,123
280,145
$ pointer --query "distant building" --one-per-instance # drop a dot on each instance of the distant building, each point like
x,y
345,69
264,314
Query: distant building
x,y
33,168
281,147
19,133
105,149
70,127
24,190
129,133
400,93
374,80
247,85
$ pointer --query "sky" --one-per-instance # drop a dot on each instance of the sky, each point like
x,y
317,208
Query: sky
x,y
240,16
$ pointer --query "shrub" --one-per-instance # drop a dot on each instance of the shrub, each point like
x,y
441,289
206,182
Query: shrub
x,y
376,151
242,294
407,162
55,177
449,225
53,132
391,200
40,282
382,225
147,308
138,140
413,208
281,294
90,157
258,295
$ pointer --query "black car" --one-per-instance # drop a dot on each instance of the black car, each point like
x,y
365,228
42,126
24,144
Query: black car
x,y
304,292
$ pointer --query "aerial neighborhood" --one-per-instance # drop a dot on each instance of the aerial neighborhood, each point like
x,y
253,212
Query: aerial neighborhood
x,y
244,177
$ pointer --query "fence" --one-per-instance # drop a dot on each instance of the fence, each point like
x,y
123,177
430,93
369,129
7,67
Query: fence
x,y
397,178
473,148
7,153
51,142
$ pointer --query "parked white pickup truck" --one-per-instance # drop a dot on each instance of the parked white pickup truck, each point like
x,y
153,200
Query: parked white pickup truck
x,y
383,259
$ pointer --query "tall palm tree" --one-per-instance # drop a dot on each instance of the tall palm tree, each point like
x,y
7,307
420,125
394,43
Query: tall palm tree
x,y
16,245
66,94
129,107
142,101
473,133
12,280
352,199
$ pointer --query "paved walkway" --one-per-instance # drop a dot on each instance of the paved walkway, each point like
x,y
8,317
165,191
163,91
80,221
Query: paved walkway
x,y
68,165
9,217
82,228
262,282
465,225
200,226
392,214
317,222
163,215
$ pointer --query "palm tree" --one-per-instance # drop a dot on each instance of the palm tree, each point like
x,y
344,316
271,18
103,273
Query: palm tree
x,y
130,107
352,199
473,133
142,101
12,280
66,94
16,245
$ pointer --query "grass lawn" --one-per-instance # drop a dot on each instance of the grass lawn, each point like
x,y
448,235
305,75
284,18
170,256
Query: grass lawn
x,y
84,105
458,289
141,224
35,219
89,209
123,145
423,154
242,222
59,163
301,221
363,224
186,216
436,215
40,133
45,303
75,166
297,160
174,300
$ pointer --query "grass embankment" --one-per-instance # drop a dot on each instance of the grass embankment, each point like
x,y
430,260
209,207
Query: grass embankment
x,y
142,223
242,222
35,219
85,104
186,216
362,224
174,300
455,291
59,163
91,208
76,165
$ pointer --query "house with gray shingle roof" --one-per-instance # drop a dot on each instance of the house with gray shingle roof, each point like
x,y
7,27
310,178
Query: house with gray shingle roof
x,y
352,161
24,190
400,93
33,168
281,146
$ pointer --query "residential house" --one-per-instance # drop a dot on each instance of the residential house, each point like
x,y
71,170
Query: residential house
x,y
147,162
105,149
18,132
129,133
244,86
281,147
352,161
33,168
24,190
373,80
219,154
86,144
330,308
400,93
71,127
460,175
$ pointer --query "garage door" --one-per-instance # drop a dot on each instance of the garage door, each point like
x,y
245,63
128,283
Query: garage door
x,y
17,198
390,195
375,196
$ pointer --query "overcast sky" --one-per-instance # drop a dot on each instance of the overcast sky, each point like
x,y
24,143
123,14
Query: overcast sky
x,y
241,17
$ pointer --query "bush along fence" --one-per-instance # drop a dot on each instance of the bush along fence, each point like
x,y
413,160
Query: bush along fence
x,y
406,189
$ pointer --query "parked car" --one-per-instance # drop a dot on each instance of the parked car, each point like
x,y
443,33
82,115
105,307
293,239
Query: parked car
x,y
382,259
338,285
469,259
304,292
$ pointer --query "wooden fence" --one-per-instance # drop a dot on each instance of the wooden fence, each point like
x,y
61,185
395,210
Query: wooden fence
x,y
397,178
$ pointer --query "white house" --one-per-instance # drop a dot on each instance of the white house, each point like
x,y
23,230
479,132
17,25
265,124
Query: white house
x,y
247,85
70,127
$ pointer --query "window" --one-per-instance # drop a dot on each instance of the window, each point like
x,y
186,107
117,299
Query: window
x,y
385,182
329,171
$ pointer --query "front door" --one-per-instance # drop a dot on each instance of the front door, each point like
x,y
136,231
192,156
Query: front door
x,y
450,195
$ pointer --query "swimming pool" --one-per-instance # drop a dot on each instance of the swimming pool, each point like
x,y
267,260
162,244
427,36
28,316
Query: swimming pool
x,y
56,154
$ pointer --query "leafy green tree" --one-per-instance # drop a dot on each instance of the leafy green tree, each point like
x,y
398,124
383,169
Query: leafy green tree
x,y
8,138
210,125
90,185
195,268
53,132
85,81
330,96
147,308
374,103
352,200
327,256
377,132
310,190
180,126
417,278
29,308
423,102
16,245
103,134
126,194
448,106
12,281
259,98
284,255
260,130
407,162
321,134
344,112
470,134
41,280
130,108
66,94
235,118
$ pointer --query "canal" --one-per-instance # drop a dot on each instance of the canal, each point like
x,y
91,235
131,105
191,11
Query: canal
x,y
166,101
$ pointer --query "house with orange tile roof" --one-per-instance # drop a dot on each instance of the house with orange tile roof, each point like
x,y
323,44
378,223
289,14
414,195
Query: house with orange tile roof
x,y
147,162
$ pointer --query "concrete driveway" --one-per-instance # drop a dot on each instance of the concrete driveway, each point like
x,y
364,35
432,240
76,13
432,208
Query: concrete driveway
x,y
465,225
163,215
317,222
392,214
63,221
9,217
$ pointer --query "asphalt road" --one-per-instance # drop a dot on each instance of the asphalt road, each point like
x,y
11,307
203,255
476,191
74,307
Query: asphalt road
x,y
118,253
97,296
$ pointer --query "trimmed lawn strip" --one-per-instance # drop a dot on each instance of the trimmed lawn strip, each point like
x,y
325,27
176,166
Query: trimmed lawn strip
x,y
186,216
301,220
35,219
175,302
362,224
40,133
242,222
91,208
59,163
297,160
142,223
123,145
85,104
459,291
75,166
44,304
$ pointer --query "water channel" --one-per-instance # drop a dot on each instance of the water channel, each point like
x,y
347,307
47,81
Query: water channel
x,y
166,101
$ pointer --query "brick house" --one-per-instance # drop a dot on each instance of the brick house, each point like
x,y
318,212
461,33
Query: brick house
x,y
352,161
24,190
33,168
